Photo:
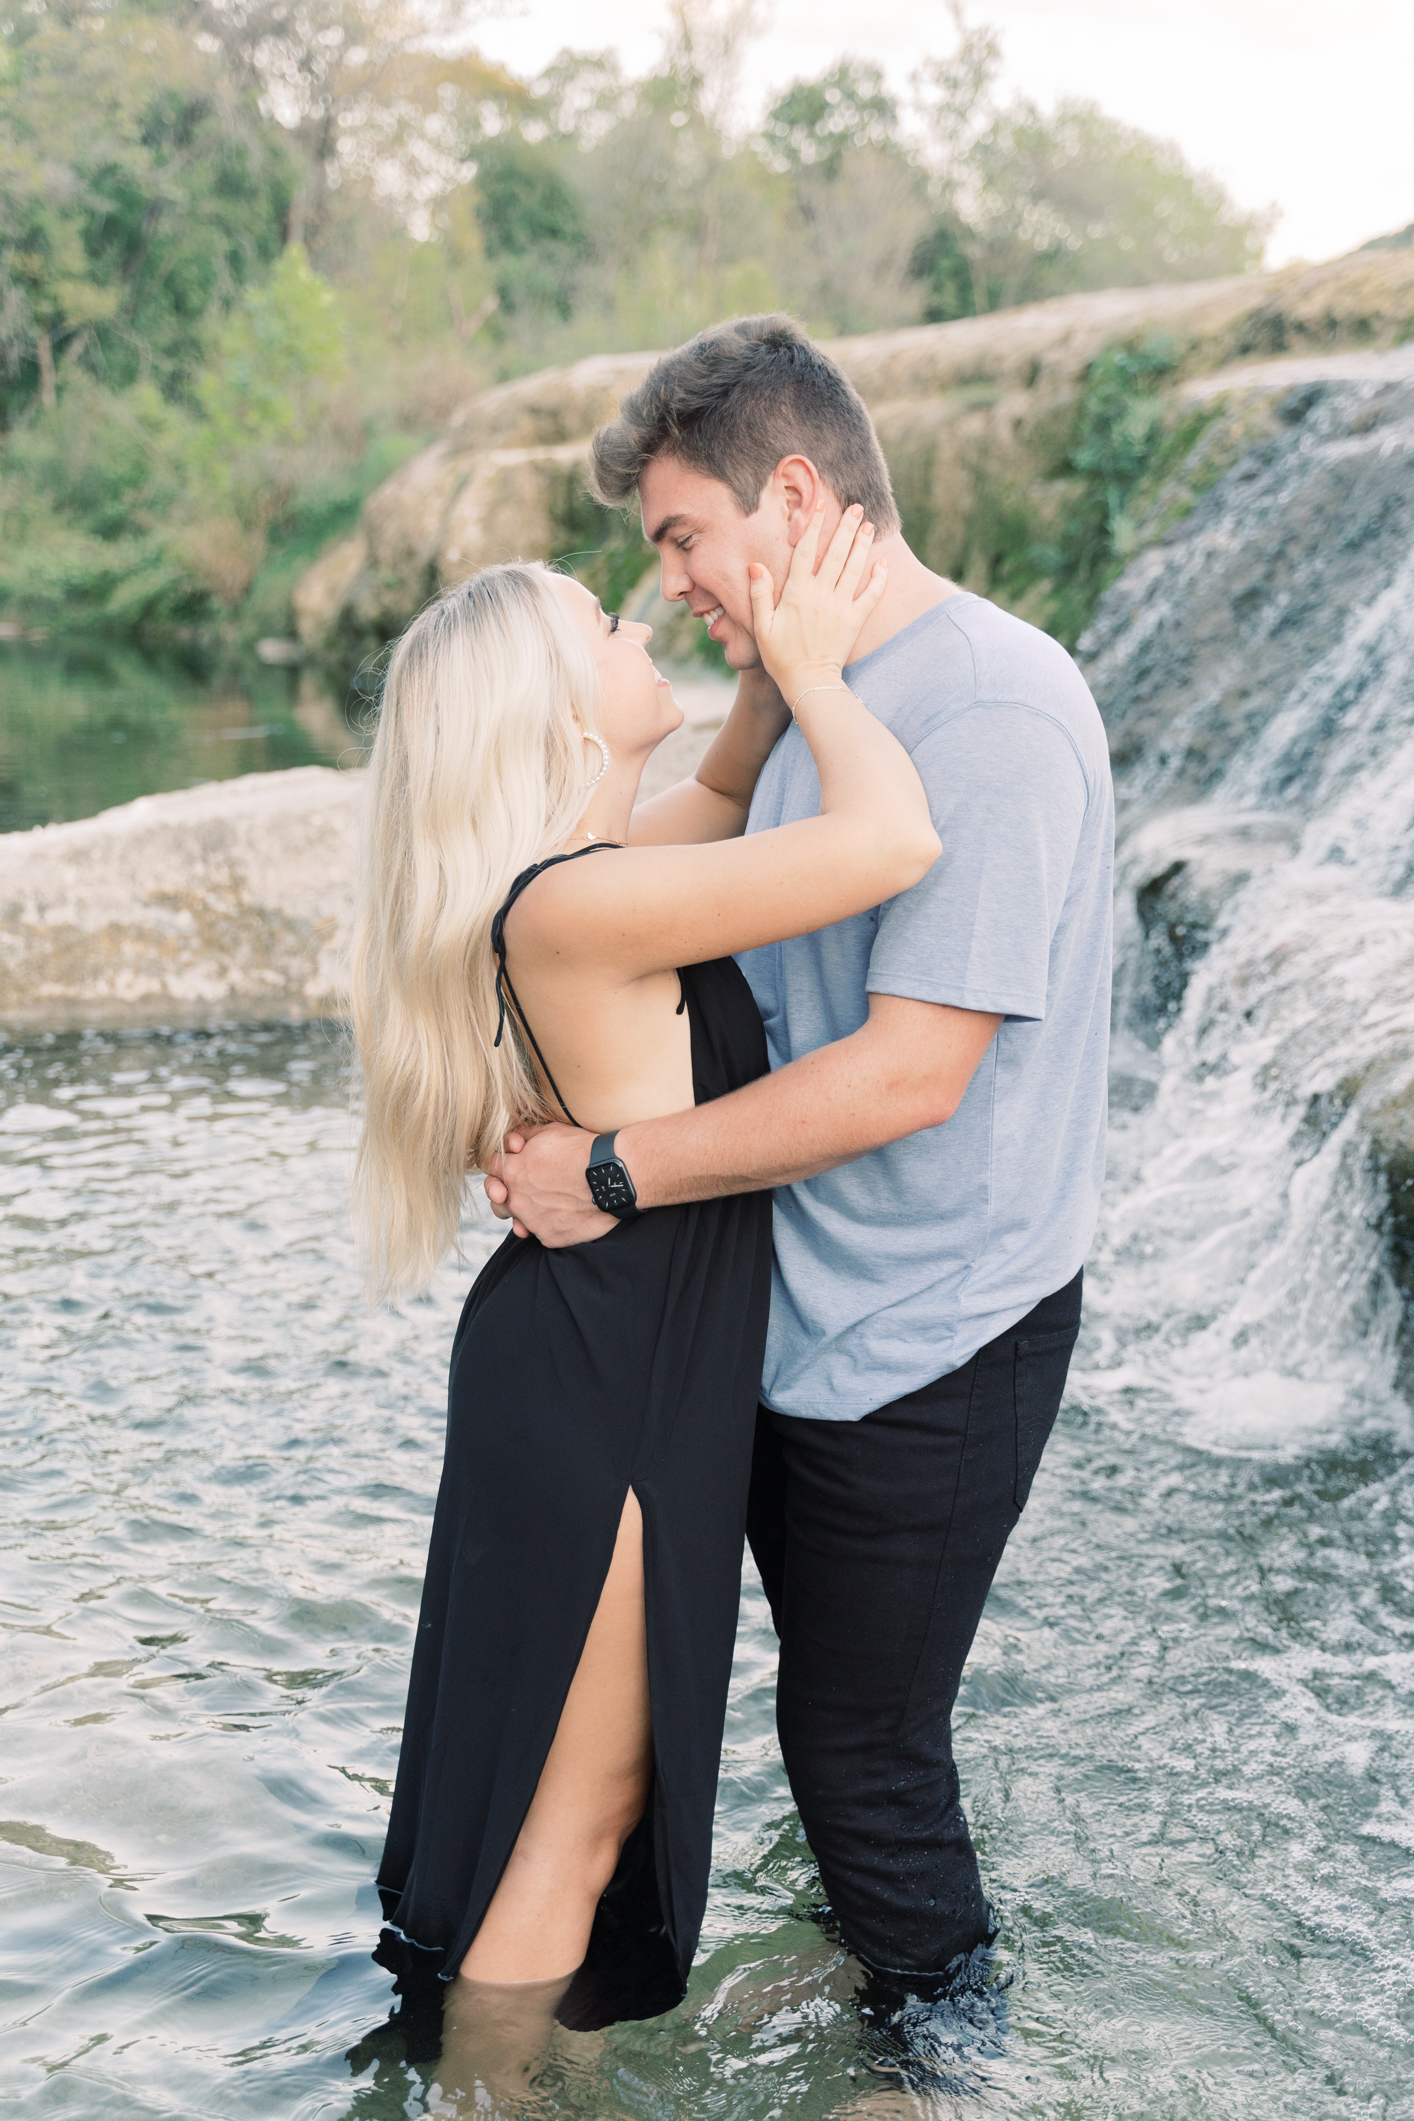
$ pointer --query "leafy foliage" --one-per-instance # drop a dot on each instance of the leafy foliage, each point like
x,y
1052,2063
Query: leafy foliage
x,y
533,226
370,95
1124,441
1120,426
273,366
1029,204
1077,200
137,192
816,124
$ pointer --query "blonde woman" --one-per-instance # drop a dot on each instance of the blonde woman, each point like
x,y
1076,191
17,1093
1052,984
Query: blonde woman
x,y
529,946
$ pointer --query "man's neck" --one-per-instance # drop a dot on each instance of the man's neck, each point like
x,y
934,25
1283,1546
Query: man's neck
x,y
913,589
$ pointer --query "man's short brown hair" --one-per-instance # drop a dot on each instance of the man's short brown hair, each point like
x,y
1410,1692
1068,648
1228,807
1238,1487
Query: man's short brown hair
x,y
735,400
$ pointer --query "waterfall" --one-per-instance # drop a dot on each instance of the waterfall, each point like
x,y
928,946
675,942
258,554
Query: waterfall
x,y
1255,1263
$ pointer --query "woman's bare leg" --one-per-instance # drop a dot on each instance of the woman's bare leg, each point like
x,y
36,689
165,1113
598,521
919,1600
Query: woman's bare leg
x,y
589,1798
495,2037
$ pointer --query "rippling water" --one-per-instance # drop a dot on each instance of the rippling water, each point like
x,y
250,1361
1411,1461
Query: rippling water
x,y
1186,1731
86,724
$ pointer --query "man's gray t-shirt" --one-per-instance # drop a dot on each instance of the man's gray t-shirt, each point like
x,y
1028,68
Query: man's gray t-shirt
x,y
896,1268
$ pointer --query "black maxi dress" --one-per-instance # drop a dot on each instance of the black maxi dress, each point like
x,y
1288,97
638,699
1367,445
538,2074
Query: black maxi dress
x,y
633,1361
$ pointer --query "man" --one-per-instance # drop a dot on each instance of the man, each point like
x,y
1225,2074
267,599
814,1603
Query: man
x,y
933,1126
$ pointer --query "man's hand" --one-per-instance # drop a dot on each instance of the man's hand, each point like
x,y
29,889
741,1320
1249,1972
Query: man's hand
x,y
539,1184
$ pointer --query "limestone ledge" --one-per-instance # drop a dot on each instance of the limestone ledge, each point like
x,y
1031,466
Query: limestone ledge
x,y
227,901
232,901
956,405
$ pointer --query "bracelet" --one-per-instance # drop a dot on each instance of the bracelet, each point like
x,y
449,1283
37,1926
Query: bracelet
x,y
815,688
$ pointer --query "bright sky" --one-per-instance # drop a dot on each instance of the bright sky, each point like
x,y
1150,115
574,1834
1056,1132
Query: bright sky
x,y
1305,104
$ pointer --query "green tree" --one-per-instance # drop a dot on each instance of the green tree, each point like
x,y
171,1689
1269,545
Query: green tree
x,y
181,234
135,191
279,356
815,124
87,492
1027,204
533,222
580,97
858,204
651,222
368,93
267,401
1077,200
941,261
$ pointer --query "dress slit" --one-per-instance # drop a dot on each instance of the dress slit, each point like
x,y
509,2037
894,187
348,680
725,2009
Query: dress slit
x,y
467,1937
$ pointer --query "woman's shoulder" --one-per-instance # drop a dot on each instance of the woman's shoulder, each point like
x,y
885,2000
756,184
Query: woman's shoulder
x,y
565,889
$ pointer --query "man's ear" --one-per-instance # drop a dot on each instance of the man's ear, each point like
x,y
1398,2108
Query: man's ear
x,y
797,490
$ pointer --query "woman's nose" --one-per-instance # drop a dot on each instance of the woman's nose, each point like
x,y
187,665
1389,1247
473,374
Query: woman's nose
x,y
637,631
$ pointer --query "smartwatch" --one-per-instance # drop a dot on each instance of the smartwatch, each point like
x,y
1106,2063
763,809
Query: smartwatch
x,y
609,1182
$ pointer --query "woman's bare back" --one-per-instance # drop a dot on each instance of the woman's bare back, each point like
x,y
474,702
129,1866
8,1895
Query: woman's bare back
x,y
611,1050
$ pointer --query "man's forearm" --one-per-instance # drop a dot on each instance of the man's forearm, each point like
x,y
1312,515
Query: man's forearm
x,y
825,1109
753,1138
905,1069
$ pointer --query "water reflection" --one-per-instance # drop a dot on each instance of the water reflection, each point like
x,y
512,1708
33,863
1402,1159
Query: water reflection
x,y
1186,1731
86,727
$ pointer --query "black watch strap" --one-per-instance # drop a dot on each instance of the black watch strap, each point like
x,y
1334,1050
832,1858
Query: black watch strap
x,y
609,1182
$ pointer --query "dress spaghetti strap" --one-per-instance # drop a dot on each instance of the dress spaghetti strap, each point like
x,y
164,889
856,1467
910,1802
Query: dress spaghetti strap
x,y
503,977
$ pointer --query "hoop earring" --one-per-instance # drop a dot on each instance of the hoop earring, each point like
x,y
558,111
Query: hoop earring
x,y
602,747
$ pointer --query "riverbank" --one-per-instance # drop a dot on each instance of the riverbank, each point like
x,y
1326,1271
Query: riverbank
x,y
229,901
1032,450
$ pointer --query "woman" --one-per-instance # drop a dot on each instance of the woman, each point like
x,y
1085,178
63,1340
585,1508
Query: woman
x,y
529,948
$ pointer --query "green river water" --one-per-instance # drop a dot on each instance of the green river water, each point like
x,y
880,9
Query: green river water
x,y
91,725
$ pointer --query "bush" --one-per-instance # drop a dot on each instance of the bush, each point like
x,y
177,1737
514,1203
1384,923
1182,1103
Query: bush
x,y
1124,441
86,498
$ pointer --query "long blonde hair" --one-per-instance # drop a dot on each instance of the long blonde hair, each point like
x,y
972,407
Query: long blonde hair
x,y
477,770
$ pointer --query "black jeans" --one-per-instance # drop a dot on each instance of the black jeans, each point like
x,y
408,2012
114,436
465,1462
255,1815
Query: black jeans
x,y
877,1541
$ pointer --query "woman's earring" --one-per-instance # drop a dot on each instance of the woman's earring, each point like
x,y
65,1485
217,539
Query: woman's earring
x,y
602,747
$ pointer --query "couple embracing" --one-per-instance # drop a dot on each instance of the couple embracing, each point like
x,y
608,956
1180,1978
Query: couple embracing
x,y
792,1080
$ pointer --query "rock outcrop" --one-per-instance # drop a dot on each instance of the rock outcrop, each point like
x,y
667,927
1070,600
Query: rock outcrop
x,y
971,414
227,901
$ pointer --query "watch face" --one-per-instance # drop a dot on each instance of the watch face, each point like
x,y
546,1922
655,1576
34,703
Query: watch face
x,y
611,1187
